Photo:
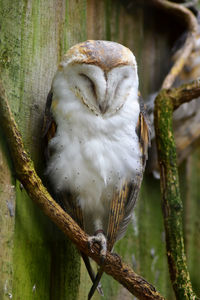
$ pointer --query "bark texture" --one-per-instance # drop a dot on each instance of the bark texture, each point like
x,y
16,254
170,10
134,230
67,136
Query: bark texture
x,y
34,36
166,102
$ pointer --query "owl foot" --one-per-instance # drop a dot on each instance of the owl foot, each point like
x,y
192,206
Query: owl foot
x,y
100,239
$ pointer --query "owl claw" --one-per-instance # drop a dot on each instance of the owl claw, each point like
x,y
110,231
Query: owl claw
x,y
100,239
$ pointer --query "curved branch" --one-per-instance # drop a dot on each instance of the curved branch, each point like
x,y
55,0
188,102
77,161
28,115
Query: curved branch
x,y
187,135
189,19
166,102
24,168
184,93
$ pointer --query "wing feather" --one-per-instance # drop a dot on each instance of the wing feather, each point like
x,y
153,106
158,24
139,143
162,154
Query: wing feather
x,y
116,215
122,204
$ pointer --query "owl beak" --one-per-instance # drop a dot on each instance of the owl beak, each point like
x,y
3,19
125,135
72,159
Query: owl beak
x,y
103,107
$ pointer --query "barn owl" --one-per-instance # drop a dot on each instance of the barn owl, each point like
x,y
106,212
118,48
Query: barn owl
x,y
97,136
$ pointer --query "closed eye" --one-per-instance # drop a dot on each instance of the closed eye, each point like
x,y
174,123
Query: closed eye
x,y
119,85
92,85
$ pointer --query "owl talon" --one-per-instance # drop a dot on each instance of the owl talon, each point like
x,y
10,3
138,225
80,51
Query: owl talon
x,y
100,239
90,246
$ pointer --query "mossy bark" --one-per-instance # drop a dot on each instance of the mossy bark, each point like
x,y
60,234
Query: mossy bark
x,y
7,222
34,36
172,204
33,39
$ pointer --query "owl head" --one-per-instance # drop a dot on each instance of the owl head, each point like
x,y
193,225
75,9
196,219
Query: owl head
x,y
101,74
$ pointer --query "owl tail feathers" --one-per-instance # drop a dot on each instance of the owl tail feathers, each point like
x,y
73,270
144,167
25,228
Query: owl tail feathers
x,y
92,275
96,283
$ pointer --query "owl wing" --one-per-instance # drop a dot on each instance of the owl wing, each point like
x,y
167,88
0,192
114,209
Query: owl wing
x,y
123,202
49,125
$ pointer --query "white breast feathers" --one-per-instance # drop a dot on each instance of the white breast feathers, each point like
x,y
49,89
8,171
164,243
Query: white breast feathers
x,y
93,155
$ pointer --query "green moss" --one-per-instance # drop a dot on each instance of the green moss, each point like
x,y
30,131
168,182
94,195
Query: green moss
x,y
65,268
36,40
65,44
32,255
74,30
172,204
34,36
152,259
10,49
7,208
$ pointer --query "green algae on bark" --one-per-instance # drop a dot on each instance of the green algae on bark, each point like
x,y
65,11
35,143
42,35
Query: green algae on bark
x,y
166,102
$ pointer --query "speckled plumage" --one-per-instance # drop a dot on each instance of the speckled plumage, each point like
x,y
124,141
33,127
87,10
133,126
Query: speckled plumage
x,y
99,149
